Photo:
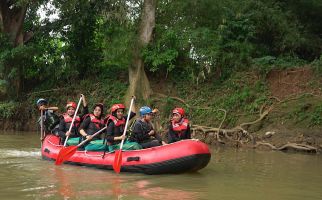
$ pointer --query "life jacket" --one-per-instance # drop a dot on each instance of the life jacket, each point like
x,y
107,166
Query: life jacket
x,y
180,127
68,120
98,122
95,125
117,122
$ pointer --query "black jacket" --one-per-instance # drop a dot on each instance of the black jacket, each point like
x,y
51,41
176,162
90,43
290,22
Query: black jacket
x,y
115,131
90,128
140,132
64,127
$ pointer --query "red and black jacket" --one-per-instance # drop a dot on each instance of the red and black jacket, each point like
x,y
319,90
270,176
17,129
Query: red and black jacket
x,y
92,124
65,123
179,130
115,127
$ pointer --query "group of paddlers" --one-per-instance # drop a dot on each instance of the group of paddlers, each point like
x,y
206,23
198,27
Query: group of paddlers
x,y
72,128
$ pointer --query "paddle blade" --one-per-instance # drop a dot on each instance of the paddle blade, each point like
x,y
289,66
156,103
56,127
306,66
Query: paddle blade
x,y
64,154
117,161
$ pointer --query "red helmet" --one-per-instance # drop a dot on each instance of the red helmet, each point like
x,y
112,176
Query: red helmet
x,y
71,104
117,106
179,111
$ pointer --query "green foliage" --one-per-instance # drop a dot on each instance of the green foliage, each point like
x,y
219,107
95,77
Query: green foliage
x,y
164,52
316,117
317,65
8,109
300,112
265,64
109,90
241,95
208,40
117,44
308,113
208,37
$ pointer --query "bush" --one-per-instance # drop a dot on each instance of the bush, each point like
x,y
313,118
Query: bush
x,y
8,109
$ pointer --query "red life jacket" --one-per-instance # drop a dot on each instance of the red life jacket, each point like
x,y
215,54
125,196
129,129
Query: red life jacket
x,y
68,120
115,120
98,122
181,126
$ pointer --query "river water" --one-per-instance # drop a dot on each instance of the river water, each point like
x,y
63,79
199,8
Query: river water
x,y
231,174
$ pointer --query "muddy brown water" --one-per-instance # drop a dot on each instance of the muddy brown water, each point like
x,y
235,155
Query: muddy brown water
x,y
231,174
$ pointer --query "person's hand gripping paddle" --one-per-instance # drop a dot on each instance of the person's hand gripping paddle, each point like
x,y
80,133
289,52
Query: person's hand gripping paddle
x,y
67,152
75,114
118,153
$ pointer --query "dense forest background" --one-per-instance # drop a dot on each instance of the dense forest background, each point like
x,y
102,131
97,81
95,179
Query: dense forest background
x,y
222,60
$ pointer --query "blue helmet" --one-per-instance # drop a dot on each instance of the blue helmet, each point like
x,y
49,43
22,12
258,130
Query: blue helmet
x,y
41,101
145,110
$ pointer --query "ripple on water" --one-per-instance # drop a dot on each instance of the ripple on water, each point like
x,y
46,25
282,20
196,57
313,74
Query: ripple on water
x,y
37,188
12,153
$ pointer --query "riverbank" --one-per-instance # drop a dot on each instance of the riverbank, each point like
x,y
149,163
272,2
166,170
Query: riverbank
x,y
248,109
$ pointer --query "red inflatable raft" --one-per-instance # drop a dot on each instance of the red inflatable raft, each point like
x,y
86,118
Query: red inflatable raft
x,y
179,157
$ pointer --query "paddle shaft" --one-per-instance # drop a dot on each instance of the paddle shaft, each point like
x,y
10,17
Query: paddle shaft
x,y
98,132
127,121
75,114
41,124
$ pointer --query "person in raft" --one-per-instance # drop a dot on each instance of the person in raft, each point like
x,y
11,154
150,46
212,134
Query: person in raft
x,y
179,128
115,127
92,123
50,120
66,120
143,132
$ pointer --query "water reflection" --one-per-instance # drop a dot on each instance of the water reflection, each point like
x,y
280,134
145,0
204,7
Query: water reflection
x,y
231,174
73,182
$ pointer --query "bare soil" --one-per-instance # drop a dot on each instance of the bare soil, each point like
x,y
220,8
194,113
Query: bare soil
x,y
290,82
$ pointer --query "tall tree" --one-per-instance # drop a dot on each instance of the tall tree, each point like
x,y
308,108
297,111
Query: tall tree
x,y
139,83
12,18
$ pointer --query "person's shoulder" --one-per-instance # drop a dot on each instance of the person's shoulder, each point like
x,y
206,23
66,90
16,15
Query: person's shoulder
x,y
86,118
110,123
138,123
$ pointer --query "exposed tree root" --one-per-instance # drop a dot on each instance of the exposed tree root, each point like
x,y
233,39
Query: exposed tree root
x,y
294,146
239,135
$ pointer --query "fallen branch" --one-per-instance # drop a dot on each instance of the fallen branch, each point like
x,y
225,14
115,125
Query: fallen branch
x,y
295,146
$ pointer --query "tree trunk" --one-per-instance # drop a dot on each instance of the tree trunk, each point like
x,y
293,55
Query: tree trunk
x,y
11,22
1,21
139,83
